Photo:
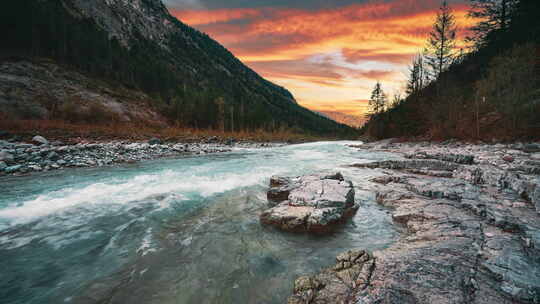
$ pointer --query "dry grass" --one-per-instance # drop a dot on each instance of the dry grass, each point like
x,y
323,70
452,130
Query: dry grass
x,y
71,132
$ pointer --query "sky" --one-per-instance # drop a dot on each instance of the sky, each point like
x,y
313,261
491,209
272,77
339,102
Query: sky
x,y
328,53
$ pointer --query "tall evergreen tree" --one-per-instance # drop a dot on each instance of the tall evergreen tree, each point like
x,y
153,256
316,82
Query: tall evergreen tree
x,y
441,42
378,100
493,15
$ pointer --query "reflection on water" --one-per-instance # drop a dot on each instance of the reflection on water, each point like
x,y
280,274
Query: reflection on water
x,y
172,231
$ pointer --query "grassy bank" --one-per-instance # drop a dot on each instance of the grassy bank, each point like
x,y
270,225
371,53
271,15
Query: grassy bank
x,y
70,132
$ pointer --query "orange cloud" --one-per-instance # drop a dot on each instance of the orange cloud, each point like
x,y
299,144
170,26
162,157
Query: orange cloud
x,y
199,17
327,56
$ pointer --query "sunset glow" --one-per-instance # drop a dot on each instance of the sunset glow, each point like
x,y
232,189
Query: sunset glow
x,y
328,56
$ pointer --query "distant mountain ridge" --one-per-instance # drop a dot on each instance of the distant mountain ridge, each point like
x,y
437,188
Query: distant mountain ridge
x,y
193,79
346,119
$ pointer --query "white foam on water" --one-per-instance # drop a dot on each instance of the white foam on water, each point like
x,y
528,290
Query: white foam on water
x,y
309,155
169,185
146,246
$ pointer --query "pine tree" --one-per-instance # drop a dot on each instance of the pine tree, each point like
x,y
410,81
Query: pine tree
x,y
441,42
378,100
494,15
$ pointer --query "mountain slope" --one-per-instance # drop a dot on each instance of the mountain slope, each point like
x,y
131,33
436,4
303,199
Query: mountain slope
x,y
346,119
192,78
492,93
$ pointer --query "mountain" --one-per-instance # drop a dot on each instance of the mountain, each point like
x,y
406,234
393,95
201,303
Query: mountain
x,y
188,77
346,119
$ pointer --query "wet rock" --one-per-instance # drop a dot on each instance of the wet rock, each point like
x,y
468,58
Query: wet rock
x,y
154,141
508,158
3,165
6,157
410,165
454,158
386,179
53,156
40,140
531,148
35,168
433,173
13,169
535,197
337,284
309,203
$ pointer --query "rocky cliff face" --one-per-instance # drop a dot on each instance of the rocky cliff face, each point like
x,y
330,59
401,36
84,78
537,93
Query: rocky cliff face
x,y
121,18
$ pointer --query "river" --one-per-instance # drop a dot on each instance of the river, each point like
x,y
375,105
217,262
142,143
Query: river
x,y
182,230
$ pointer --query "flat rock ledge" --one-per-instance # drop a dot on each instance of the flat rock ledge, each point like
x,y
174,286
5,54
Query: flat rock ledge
x,y
312,203
470,231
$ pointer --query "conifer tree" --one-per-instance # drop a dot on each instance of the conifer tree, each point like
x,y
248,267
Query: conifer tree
x,y
493,15
378,100
441,42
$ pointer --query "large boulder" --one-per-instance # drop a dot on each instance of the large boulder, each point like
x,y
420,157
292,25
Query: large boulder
x,y
309,203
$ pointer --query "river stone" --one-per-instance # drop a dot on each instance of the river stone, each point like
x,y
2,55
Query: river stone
x,y
531,148
536,196
40,140
6,157
12,169
154,141
53,155
311,203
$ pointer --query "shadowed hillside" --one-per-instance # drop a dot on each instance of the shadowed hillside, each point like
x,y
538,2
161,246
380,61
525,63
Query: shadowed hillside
x,y
190,79
490,93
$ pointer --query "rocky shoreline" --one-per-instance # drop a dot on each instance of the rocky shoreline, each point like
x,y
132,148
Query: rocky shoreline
x,y
41,155
470,224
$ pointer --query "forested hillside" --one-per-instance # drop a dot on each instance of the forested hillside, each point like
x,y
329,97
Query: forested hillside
x,y
192,80
490,92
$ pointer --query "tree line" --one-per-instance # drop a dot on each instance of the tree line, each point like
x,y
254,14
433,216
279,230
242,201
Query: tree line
x,y
490,90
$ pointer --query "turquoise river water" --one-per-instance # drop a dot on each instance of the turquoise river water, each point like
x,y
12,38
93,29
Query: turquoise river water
x,y
182,230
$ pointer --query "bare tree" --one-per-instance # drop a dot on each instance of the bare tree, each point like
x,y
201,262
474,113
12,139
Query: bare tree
x,y
418,77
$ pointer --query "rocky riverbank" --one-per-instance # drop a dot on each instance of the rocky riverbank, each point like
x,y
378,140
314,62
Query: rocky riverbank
x,y
470,224
40,154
